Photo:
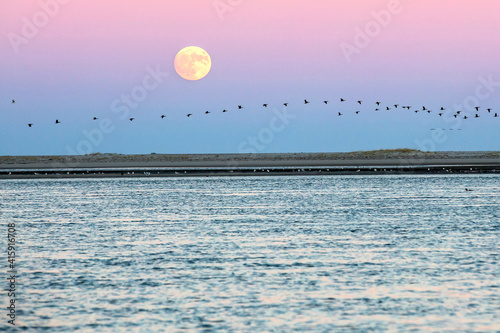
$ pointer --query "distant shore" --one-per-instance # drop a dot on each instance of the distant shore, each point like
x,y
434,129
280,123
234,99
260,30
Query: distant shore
x,y
362,162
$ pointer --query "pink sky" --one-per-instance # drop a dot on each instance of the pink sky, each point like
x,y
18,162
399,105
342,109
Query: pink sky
x,y
91,51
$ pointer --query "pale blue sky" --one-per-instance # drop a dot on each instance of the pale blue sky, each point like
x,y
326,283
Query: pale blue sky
x,y
75,67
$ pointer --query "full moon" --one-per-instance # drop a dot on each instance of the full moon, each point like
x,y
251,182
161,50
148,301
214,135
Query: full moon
x,y
192,63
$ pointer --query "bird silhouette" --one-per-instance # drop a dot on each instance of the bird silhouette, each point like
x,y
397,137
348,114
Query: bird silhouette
x,y
460,113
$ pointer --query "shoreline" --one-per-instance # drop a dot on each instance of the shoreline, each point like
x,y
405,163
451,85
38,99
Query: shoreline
x,y
401,161
349,171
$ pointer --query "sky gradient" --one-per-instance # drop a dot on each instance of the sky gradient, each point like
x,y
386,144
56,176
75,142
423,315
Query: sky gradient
x,y
75,60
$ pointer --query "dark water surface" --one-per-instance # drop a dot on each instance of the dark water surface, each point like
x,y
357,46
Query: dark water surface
x,y
330,253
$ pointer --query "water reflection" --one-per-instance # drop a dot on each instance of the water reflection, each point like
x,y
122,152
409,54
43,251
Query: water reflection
x,y
383,253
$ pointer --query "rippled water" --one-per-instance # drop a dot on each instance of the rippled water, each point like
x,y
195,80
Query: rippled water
x,y
330,253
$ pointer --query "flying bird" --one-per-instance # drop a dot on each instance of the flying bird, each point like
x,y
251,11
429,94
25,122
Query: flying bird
x,y
424,109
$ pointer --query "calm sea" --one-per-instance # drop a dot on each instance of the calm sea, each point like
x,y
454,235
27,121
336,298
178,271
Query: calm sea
x,y
305,253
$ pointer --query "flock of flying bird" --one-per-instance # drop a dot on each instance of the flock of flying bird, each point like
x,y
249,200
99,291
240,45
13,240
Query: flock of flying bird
x,y
342,100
